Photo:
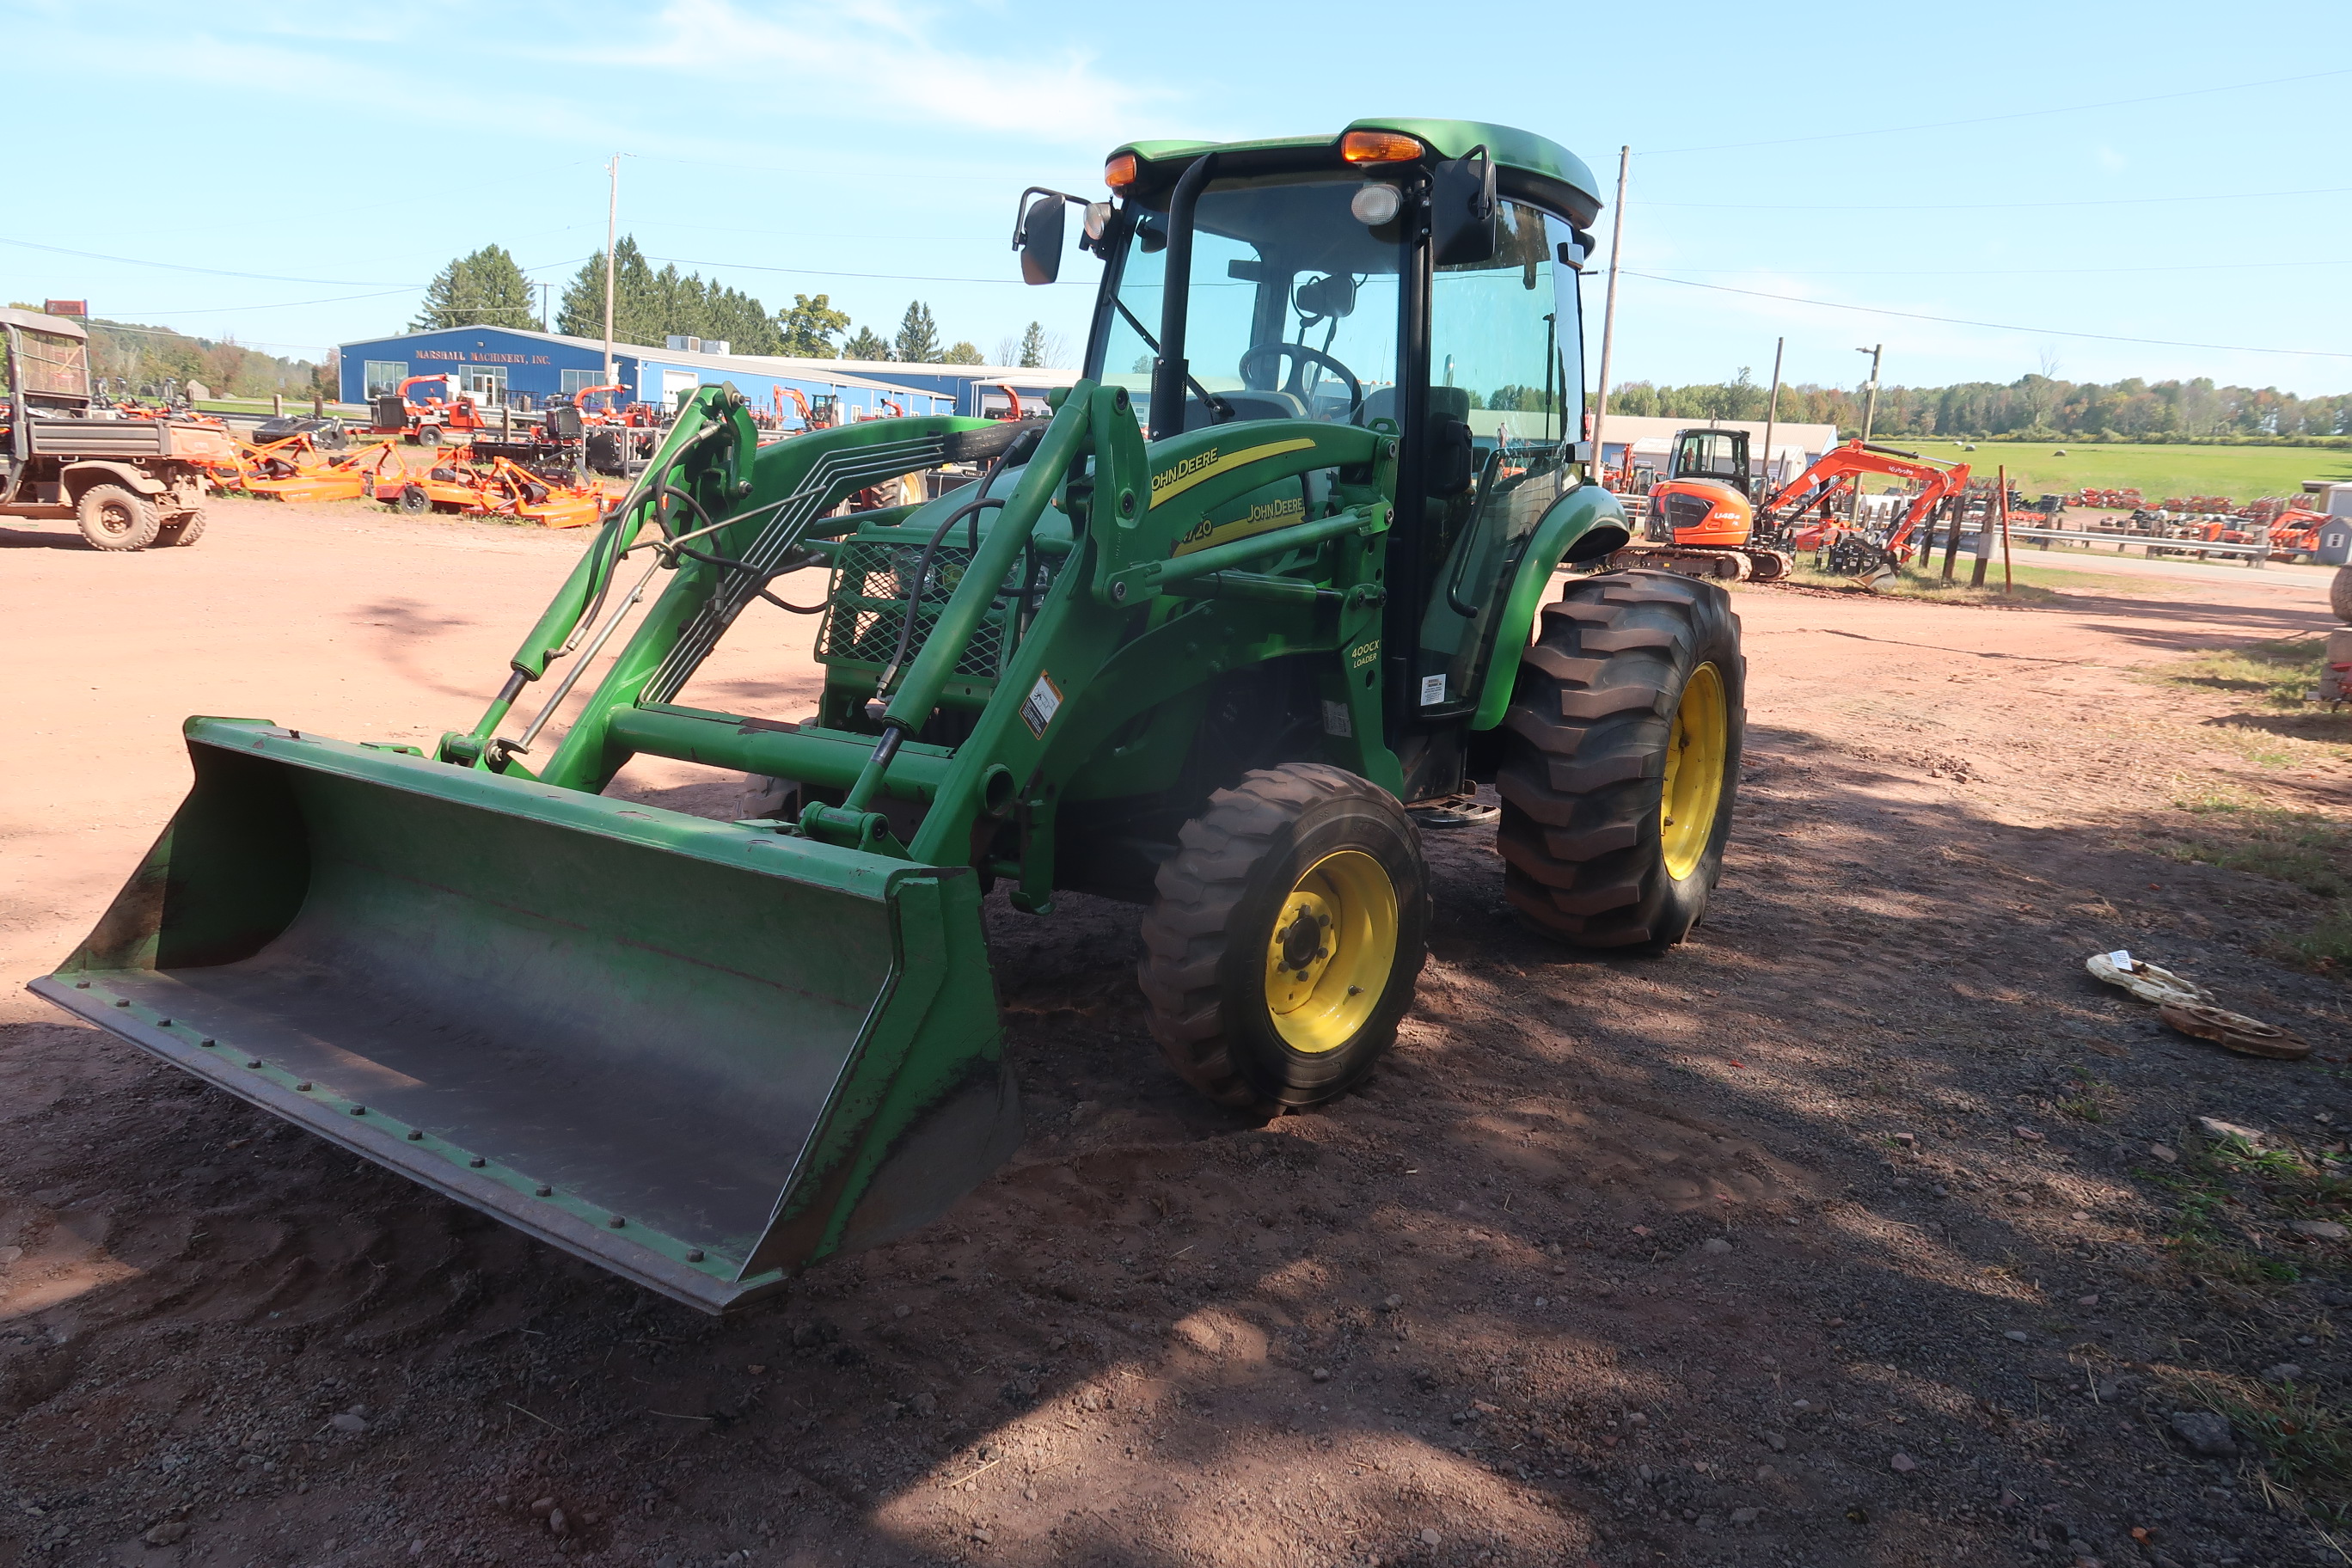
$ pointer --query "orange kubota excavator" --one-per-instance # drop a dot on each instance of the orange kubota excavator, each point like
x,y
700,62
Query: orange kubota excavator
x,y
1703,521
1702,517
1872,551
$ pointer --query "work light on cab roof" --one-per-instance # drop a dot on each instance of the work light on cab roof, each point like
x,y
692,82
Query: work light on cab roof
x,y
1271,578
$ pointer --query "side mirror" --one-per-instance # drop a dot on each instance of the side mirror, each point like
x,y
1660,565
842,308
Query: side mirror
x,y
1463,230
1040,240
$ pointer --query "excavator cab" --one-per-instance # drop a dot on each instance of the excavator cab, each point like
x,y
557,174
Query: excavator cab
x,y
1717,455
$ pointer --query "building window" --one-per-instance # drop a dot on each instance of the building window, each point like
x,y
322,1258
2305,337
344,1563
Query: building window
x,y
576,381
386,375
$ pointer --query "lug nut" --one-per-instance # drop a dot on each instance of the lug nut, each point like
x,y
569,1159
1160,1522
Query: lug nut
x,y
617,1222
544,1192
162,1023
304,1086
208,1043
478,1161
693,1255
122,1001
359,1110
253,1062
416,1136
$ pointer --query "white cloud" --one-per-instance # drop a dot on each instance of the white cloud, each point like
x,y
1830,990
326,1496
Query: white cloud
x,y
882,58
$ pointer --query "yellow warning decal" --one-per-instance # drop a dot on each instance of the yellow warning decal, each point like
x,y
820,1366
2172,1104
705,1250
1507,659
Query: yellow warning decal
x,y
1207,465
1263,517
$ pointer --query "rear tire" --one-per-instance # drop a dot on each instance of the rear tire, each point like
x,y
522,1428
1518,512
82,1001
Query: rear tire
x,y
429,435
1604,845
1304,865
2339,594
112,518
185,529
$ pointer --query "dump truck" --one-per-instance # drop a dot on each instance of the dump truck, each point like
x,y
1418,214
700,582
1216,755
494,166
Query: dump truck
x,y
1193,639
127,484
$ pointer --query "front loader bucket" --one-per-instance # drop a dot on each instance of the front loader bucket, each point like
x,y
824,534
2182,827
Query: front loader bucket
x,y
698,1054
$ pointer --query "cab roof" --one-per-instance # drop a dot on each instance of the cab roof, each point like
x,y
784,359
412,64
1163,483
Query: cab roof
x,y
64,326
1526,163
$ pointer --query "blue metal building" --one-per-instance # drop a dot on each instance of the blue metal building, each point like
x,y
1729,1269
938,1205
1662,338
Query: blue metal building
x,y
504,366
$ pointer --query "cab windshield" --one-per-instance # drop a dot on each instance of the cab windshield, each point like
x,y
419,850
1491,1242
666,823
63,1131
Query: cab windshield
x,y
1292,310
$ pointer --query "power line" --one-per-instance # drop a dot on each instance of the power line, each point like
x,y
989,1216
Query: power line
x,y
1993,119
281,305
1991,326
1990,206
177,267
827,272
2011,271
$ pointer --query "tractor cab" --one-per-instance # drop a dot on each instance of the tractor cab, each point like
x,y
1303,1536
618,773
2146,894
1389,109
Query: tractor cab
x,y
1417,280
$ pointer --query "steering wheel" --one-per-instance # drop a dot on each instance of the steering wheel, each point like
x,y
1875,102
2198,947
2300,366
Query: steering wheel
x,y
1294,383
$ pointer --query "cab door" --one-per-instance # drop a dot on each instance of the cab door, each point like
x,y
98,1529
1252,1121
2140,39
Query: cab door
x,y
1504,344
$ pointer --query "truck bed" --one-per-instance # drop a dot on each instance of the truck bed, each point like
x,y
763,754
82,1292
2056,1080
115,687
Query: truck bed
x,y
126,438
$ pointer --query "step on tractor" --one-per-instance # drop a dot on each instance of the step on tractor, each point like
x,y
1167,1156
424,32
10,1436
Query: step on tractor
x,y
1193,639
127,483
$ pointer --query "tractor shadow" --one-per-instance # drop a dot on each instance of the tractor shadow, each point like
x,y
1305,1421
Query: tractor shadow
x,y
1764,1191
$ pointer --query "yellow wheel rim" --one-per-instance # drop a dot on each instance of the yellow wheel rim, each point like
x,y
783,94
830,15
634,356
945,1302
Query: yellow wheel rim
x,y
1335,944
1697,746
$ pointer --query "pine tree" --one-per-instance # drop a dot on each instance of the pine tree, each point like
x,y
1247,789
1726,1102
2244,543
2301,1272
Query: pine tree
x,y
962,353
919,336
1032,346
485,288
741,321
867,344
806,331
636,316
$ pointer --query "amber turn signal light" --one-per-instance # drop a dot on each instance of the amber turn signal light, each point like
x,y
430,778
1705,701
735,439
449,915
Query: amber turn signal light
x,y
1380,147
1120,173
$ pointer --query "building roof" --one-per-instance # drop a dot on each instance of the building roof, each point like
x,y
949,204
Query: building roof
x,y
1639,428
865,375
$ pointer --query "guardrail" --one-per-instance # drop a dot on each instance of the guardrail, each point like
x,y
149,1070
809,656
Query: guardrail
x,y
2154,545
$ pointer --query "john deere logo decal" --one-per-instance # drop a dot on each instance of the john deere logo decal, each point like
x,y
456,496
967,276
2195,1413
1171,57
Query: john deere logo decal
x,y
1205,465
1265,515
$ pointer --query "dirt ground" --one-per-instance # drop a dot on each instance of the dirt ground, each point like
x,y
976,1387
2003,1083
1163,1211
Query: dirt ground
x,y
1850,1232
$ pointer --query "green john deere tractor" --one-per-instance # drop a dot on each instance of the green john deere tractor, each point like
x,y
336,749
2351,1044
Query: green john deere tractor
x,y
1275,568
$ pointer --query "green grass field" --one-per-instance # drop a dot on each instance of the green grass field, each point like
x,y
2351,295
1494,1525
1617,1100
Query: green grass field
x,y
2241,473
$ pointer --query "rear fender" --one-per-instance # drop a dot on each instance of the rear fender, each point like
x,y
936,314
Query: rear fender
x,y
79,478
1585,524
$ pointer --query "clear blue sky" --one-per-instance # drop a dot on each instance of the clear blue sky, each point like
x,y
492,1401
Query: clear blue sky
x,y
322,169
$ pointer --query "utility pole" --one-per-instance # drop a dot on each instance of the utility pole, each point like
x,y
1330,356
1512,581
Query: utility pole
x,y
1772,414
611,220
542,305
1870,389
1608,315
1869,416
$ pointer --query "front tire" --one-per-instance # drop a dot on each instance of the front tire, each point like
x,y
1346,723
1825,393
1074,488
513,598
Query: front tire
x,y
112,518
414,501
2339,594
1288,933
1621,759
